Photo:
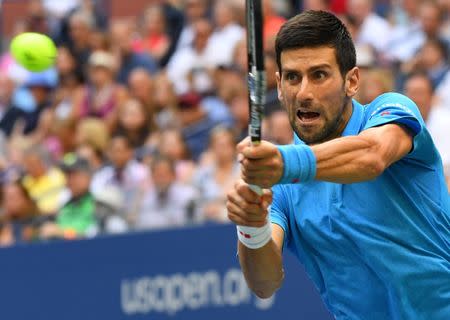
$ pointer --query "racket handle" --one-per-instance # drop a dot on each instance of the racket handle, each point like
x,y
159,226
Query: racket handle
x,y
256,189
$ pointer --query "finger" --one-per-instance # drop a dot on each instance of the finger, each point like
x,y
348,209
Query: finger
x,y
235,209
245,208
244,191
239,221
267,198
263,150
243,144
258,181
260,164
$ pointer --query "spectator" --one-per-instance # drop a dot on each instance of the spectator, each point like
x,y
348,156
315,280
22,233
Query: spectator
x,y
196,124
369,25
407,33
141,86
99,41
216,176
92,154
194,10
44,182
122,45
272,23
374,82
169,204
125,174
189,68
172,146
80,26
419,88
227,32
77,217
135,122
20,215
165,101
9,114
92,131
154,39
240,111
432,57
279,129
272,102
431,19
70,83
35,123
93,13
102,95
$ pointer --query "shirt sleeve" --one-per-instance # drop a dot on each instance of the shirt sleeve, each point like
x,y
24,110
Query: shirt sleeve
x,y
397,108
279,212
394,108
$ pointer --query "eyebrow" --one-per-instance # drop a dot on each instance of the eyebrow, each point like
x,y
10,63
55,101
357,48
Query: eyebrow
x,y
311,69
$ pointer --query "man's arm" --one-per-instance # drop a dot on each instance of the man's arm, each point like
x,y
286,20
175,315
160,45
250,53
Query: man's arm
x,y
343,160
362,157
262,267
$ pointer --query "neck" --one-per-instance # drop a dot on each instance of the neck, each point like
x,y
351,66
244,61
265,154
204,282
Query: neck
x,y
346,115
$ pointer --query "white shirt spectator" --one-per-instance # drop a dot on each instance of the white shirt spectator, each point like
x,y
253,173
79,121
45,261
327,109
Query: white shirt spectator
x,y
188,60
133,180
404,42
176,208
442,93
438,124
374,31
224,41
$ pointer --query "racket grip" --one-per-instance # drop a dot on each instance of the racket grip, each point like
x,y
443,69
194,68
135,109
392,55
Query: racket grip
x,y
256,189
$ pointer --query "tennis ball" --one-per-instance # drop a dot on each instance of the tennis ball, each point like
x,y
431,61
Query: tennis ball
x,y
34,51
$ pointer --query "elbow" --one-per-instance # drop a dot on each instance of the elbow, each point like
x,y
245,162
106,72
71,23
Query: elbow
x,y
374,166
265,290
264,294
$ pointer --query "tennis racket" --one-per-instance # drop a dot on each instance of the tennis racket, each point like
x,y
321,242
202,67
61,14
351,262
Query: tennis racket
x,y
256,72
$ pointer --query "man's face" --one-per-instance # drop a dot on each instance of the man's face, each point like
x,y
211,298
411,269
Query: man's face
x,y
119,152
420,91
78,182
314,93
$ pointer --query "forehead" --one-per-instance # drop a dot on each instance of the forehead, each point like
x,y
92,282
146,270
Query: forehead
x,y
306,58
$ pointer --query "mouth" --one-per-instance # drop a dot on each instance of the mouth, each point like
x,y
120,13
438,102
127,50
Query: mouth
x,y
306,116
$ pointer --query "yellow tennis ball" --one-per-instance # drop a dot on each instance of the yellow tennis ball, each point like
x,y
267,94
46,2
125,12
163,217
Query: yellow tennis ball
x,y
34,51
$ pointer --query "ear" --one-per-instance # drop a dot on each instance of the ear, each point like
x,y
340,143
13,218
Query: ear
x,y
278,77
352,82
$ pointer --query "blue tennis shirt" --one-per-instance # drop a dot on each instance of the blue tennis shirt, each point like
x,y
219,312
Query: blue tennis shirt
x,y
378,249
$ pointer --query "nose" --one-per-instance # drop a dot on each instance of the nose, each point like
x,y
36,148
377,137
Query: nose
x,y
304,91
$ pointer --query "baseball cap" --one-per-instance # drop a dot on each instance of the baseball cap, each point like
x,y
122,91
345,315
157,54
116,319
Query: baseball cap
x,y
189,100
72,162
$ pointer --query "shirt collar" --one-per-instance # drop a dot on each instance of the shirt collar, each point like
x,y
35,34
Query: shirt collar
x,y
354,124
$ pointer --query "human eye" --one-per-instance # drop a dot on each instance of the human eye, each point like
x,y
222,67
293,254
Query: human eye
x,y
291,76
320,75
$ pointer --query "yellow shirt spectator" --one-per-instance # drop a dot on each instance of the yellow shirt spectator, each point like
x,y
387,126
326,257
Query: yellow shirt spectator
x,y
46,190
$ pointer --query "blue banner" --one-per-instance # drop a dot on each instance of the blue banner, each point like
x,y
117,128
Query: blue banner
x,y
179,274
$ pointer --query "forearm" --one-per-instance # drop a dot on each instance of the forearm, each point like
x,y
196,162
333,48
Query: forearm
x,y
348,160
262,268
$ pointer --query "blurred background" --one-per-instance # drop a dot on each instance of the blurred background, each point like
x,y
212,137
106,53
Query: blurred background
x,y
134,128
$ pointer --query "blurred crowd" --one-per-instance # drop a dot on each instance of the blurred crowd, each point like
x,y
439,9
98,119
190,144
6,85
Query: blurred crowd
x,y
136,125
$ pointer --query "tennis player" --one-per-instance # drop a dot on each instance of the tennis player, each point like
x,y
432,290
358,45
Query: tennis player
x,y
360,198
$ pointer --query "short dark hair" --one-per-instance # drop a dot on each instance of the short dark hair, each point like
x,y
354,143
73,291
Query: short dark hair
x,y
314,29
